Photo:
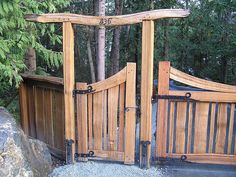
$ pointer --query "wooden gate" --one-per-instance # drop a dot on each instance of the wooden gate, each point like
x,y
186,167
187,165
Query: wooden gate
x,y
106,117
199,129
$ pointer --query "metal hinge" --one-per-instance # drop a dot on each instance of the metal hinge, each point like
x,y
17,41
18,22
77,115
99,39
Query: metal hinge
x,y
87,91
69,158
186,97
84,155
144,157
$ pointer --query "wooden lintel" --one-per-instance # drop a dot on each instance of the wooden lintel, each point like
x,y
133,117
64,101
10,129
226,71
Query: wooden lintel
x,y
108,20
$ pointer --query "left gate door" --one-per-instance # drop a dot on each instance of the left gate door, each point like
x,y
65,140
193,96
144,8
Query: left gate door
x,y
106,118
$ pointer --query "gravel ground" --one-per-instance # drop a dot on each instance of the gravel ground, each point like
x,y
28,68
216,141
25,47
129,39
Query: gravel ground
x,y
99,169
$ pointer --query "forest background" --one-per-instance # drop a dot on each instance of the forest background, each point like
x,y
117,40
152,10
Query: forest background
x,y
203,44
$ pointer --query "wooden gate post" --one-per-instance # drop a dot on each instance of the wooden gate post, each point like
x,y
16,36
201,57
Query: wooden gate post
x,y
146,92
163,89
69,83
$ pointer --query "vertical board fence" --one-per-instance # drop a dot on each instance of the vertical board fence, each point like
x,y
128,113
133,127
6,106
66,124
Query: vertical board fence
x,y
201,128
42,110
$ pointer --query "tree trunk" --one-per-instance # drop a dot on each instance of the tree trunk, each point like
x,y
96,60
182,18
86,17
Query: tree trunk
x,y
166,40
30,60
115,50
90,58
101,44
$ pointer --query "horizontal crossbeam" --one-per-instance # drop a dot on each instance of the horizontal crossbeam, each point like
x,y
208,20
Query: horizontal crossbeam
x,y
108,20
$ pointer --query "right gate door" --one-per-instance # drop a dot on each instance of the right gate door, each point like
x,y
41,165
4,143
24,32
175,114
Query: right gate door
x,y
106,118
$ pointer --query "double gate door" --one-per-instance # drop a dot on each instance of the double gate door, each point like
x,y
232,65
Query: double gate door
x,y
106,118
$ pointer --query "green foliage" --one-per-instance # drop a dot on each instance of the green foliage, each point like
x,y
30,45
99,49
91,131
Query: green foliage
x,y
17,35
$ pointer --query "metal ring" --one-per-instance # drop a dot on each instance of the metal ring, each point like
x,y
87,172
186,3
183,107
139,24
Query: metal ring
x,y
91,153
188,95
183,157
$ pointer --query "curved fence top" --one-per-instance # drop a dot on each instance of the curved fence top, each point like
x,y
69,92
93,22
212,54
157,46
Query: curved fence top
x,y
108,20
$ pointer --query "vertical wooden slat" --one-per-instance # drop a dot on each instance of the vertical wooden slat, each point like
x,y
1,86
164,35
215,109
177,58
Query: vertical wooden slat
x,y
97,119
68,70
171,126
121,117
231,127
221,128
48,117
162,109
81,103
146,86
190,122
130,113
200,129
112,117
180,126
212,127
39,113
90,120
58,120
105,120
23,108
31,110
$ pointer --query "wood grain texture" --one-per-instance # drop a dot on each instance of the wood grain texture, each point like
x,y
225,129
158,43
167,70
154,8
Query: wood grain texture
x,y
221,128
90,120
190,123
31,110
24,108
207,96
97,119
180,126
231,128
48,117
108,20
212,127
82,127
121,117
130,120
68,71
112,117
200,129
39,113
105,119
146,85
171,127
187,79
162,108
208,158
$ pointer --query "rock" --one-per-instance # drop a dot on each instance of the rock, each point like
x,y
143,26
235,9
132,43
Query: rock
x,y
19,155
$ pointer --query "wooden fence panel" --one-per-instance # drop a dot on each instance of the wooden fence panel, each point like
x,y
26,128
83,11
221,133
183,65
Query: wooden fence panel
x,y
48,117
231,128
121,117
171,127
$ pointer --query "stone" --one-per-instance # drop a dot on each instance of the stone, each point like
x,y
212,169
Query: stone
x,y
19,155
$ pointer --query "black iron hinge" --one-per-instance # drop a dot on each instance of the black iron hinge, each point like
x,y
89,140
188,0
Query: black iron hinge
x,y
186,97
84,155
144,157
69,157
87,91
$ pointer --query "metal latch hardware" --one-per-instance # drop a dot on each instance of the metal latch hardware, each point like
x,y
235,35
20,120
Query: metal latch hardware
x,y
186,97
69,158
144,153
88,90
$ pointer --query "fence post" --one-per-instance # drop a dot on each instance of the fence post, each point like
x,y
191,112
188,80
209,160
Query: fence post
x,y
130,113
68,70
163,89
82,127
146,92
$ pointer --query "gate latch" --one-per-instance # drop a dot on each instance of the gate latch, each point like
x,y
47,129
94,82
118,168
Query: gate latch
x,y
186,97
88,90
68,143
84,155
144,153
